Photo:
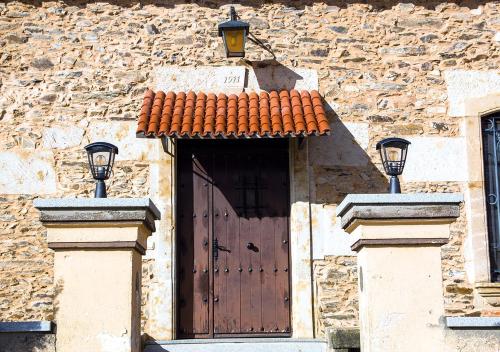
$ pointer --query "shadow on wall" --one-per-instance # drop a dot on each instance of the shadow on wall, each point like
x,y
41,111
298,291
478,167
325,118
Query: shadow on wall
x,y
299,5
339,165
272,75
27,342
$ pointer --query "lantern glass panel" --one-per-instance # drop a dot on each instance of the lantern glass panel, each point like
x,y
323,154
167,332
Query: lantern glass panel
x,y
393,157
234,41
393,154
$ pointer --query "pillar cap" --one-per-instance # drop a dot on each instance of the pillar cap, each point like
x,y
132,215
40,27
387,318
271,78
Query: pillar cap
x,y
97,210
398,206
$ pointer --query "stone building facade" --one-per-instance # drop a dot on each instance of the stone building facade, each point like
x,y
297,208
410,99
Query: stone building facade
x,y
74,72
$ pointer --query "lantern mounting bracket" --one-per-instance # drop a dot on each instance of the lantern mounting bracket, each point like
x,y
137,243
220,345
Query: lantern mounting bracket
x,y
258,42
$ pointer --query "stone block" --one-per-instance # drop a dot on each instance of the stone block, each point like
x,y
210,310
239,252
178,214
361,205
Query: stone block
x,y
84,210
436,159
344,147
122,134
361,207
23,172
328,236
62,136
466,84
347,338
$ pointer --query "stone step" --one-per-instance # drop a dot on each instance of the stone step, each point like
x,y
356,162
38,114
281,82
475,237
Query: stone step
x,y
238,345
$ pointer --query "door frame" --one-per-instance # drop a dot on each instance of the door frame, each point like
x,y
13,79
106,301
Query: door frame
x,y
176,267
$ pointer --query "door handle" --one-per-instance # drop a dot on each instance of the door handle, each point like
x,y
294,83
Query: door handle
x,y
215,248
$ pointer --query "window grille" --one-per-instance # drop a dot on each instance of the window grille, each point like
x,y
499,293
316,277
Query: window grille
x,y
490,127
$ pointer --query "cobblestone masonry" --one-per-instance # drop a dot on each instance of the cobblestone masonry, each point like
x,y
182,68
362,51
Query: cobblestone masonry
x,y
65,66
336,292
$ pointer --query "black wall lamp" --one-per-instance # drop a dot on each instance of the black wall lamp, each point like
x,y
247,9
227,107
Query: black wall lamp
x,y
234,33
101,157
393,153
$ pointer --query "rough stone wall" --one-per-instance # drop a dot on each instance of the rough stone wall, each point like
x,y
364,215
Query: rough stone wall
x,y
73,72
147,279
336,293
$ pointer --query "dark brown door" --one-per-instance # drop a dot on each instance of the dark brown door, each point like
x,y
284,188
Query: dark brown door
x,y
233,247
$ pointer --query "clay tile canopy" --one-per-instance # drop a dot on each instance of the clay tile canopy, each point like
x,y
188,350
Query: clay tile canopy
x,y
273,114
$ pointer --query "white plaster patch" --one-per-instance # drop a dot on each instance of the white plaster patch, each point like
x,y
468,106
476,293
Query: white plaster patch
x,y
227,79
345,146
436,159
463,85
62,137
122,134
328,236
277,77
497,37
23,172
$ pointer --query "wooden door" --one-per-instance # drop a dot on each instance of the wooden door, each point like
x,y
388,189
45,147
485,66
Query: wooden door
x,y
233,235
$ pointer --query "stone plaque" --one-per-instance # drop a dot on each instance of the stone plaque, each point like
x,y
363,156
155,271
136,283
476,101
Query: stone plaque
x,y
226,79
463,85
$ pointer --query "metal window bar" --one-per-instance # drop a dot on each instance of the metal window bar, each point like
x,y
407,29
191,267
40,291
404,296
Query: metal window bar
x,y
490,127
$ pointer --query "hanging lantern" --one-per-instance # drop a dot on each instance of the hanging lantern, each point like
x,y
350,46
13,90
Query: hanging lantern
x,y
234,34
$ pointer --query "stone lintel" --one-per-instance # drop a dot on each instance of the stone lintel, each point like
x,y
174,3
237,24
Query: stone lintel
x,y
55,212
398,207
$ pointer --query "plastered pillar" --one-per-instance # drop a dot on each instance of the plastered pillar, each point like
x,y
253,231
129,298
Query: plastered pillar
x,y
401,304
98,245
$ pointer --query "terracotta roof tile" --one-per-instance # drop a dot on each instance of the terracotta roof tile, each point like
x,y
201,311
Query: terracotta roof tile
x,y
232,113
166,115
253,114
265,115
210,111
286,112
199,114
175,128
220,122
144,115
154,120
273,114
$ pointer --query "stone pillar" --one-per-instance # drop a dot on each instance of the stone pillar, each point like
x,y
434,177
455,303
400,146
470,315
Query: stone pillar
x,y
399,266
98,245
